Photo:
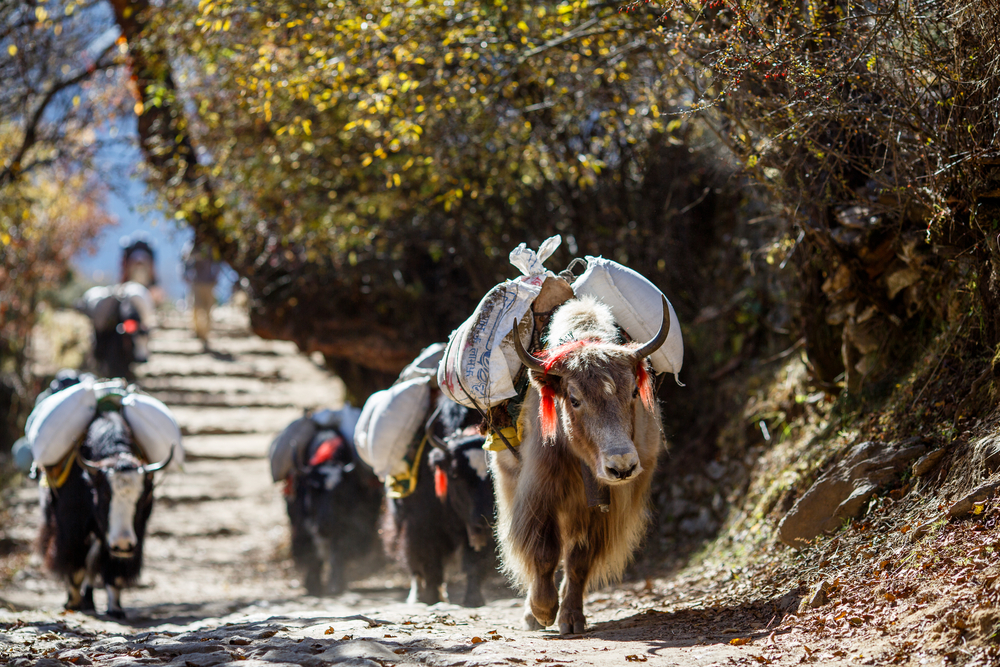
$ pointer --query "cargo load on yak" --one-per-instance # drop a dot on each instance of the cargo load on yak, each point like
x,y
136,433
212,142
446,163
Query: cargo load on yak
x,y
101,304
292,444
60,419
480,362
481,369
388,424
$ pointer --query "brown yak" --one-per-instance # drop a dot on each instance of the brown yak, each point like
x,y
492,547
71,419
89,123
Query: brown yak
x,y
589,425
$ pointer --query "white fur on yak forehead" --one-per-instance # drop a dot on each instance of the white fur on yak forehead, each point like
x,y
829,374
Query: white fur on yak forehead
x,y
477,461
126,484
585,317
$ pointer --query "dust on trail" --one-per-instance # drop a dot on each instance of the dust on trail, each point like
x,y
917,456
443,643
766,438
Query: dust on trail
x,y
218,586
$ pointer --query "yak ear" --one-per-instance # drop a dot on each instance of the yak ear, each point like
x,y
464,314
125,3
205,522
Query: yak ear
x,y
541,381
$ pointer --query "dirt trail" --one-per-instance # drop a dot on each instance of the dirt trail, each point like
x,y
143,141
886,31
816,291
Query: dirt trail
x,y
218,586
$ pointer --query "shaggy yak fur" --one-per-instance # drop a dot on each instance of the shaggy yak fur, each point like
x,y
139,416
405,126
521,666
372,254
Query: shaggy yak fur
x,y
590,404
95,523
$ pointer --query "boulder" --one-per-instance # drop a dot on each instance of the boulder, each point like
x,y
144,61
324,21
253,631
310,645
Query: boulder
x,y
842,492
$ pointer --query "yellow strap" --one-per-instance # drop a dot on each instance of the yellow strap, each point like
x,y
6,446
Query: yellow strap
x,y
400,486
495,444
60,471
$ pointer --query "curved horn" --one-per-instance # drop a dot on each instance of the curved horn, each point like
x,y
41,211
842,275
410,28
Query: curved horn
x,y
437,442
533,363
154,467
661,336
90,466
429,429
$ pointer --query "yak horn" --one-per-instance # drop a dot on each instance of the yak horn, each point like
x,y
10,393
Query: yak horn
x,y
90,466
437,442
429,429
661,336
533,363
155,467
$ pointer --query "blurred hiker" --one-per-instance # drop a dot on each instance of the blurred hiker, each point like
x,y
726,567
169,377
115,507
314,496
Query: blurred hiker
x,y
138,260
201,272
139,264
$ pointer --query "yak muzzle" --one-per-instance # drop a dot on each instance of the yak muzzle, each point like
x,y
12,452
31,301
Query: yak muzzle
x,y
619,468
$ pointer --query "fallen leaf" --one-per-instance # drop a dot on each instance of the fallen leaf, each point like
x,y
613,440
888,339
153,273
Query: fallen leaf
x,y
399,651
329,631
389,636
478,640
739,641
761,659
636,658
346,638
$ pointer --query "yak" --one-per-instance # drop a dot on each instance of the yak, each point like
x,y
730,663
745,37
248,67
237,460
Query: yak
x,y
333,504
122,343
94,523
450,510
590,427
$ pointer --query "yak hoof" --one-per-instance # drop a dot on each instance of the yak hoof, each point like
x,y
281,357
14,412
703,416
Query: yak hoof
x,y
473,598
87,601
531,623
576,628
572,622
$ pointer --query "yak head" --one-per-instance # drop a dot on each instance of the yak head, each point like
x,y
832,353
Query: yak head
x,y
590,386
461,479
123,488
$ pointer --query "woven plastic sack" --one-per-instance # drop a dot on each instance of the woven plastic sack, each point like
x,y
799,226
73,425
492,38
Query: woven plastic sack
x,y
480,362
295,438
101,306
635,303
389,421
59,420
155,429
141,300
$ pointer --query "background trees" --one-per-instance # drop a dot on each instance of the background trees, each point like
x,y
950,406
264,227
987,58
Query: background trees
x,y
60,89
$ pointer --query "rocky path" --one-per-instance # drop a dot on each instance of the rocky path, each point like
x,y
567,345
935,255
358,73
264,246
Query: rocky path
x,y
218,587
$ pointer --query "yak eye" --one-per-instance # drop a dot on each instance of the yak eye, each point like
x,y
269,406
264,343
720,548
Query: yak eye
x,y
574,401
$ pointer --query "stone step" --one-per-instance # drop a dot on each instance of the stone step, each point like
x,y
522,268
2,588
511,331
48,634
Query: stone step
x,y
233,421
226,447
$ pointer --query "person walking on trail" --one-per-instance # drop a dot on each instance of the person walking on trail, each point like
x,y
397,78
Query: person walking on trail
x,y
139,264
201,271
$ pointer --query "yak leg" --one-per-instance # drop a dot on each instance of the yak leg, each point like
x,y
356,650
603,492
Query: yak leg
x,y
114,601
577,571
90,576
543,601
73,583
474,565
430,584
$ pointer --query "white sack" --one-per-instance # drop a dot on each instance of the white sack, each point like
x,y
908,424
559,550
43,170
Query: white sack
x,y
344,420
635,303
480,361
295,438
101,306
388,423
426,363
155,429
57,422
141,300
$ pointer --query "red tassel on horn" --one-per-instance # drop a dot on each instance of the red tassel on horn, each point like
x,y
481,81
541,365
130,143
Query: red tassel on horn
x,y
440,483
548,414
645,384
